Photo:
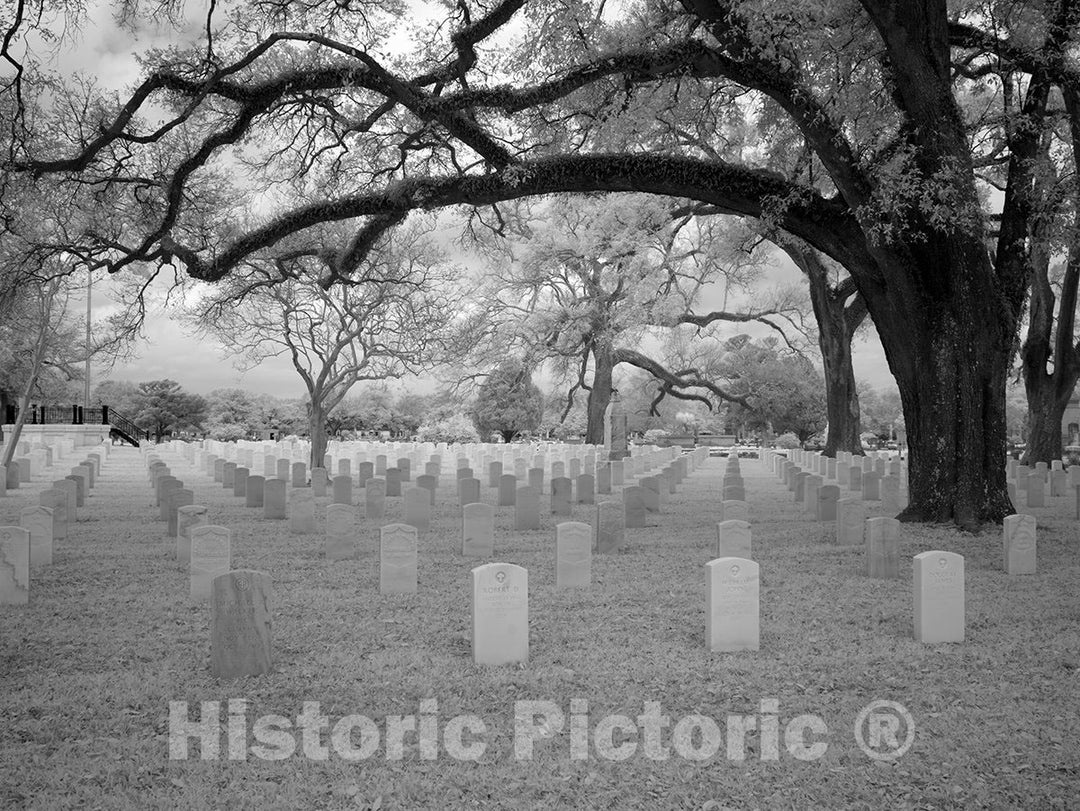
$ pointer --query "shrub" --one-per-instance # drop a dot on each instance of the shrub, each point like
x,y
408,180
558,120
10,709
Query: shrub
x,y
788,440
226,431
455,428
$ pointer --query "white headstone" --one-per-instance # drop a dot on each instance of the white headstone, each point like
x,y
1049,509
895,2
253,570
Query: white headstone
x,y
340,531
397,559
732,618
882,547
477,530
734,510
301,510
938,592
38,521
573,555
1018,533
211,555
500,616
733,539
14,566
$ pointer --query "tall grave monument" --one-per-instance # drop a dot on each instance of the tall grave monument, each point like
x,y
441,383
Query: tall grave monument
x,y
615,442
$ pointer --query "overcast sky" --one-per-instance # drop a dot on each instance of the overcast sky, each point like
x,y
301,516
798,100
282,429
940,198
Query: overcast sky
x,y
200,365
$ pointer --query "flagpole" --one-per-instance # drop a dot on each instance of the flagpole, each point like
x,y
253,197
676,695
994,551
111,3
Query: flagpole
x,y
89,290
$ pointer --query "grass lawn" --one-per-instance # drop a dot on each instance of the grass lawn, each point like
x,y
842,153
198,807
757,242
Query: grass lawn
x,y
109,639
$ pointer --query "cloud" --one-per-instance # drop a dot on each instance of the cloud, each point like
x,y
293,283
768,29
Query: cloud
x,y
199,365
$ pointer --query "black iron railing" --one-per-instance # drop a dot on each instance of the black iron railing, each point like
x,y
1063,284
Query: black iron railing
x,y
77,415
123,424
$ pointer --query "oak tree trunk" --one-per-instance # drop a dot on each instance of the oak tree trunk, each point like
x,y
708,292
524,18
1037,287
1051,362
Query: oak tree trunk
x,y
837,321
948,345
1049,358
946,310
841,396
600,394
1046,410
842,403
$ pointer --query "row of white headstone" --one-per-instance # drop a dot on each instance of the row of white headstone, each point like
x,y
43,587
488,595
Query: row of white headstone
x,y
733,577
31,459
31,542
288,460
1033,482
500,589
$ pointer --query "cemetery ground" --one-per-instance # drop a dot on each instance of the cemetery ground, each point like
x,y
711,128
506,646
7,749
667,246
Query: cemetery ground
x,y
110,638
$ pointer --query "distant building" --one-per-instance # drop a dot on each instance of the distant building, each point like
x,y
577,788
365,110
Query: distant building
x,y
1070,422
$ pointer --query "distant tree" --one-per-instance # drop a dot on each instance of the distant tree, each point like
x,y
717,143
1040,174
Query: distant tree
x,y
375,408
165,407
410,410
881,408
281,416
638,391
581,283
392,322
800,405
119,395
561,422
782,392
788,440
449,428
232,414
839,310
37,337
508,403
1016,411
688,422
341,420
1050,354
370,409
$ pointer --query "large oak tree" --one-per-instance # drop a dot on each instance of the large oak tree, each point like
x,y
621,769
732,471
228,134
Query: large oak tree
x,y
854,141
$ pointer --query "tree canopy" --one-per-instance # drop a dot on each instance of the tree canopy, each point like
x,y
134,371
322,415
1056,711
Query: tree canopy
x,y
508,402
165,407
584,285
873,131
780,391
394,320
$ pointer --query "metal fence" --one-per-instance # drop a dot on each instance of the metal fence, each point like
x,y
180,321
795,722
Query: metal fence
x,y
78,415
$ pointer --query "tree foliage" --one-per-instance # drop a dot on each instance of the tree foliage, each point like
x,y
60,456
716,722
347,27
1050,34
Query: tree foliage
x,y
120,395
36,346
873,131
232,414
448,428
881,410
40,339
396,319
585,286
164,407
783,391
376,408
508,402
